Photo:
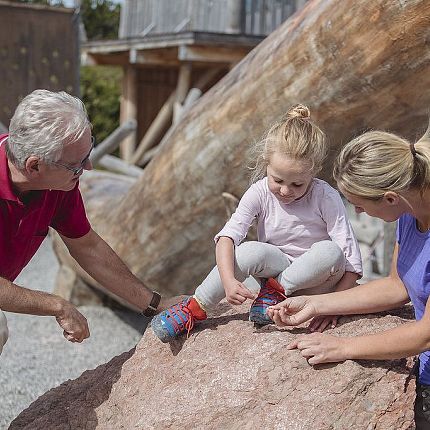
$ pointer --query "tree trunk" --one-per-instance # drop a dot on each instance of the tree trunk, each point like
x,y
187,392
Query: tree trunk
x,y
357,65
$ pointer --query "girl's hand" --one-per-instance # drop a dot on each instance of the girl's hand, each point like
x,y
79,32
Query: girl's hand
x,y
236,292
320,348
320,323
292,311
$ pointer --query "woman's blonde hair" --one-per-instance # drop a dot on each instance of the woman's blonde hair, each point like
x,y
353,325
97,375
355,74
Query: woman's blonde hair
x,y
295,136
377,162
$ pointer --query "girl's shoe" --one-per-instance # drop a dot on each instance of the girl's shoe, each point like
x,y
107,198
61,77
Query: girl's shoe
x,y
271,293
177,319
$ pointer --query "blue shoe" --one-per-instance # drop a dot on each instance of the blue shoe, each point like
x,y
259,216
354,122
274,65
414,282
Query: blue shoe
x,y
177,319
271,293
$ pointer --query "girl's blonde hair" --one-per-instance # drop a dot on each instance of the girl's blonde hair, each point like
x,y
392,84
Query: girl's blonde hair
x,y
295,136
377,162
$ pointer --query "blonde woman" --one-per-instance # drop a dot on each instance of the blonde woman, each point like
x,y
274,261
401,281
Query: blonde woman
x,y
304,241
387,177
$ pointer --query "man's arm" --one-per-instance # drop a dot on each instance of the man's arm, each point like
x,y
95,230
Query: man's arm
x,y
14,298
100,261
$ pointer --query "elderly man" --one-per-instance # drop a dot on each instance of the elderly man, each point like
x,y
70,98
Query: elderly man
x,y
41,160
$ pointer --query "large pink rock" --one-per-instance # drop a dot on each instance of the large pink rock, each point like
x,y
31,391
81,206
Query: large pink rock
x,y
231,375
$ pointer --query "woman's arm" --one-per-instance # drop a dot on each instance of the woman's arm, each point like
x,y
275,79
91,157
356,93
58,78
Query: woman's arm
x,y
375,296
348,280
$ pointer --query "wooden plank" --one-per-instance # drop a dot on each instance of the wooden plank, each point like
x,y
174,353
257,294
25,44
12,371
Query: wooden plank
x,y
160,57
129,109
211,54
38,49
200,85
112,142
184,80
153,133
115,164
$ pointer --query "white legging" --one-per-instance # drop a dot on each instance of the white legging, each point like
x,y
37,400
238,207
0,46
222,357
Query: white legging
x,y
316,271
4,332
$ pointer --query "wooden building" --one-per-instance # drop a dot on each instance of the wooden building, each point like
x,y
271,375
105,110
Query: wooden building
x,y
172,51
39,48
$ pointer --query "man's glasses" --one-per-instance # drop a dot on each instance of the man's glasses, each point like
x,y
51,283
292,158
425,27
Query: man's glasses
x,y
78,170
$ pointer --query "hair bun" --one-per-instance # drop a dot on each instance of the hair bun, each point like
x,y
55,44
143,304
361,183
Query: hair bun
x,y
298,111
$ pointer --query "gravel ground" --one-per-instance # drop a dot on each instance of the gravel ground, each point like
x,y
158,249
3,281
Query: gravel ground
x,y
37,358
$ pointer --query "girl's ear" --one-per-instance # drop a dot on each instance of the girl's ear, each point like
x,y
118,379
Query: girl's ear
x,y
391,198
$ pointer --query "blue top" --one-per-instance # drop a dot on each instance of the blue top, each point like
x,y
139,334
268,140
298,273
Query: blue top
x,y
413,267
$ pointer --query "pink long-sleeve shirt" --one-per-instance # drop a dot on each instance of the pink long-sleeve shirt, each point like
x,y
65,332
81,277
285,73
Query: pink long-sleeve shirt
x,y
294,227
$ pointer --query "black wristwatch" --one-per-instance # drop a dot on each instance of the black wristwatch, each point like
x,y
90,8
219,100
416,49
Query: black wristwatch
x,y
151,310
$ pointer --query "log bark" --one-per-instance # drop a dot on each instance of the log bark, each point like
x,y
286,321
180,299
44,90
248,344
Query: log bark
x,y
357,65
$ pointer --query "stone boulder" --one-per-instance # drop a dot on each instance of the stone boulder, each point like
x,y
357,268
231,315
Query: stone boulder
x,y
230,374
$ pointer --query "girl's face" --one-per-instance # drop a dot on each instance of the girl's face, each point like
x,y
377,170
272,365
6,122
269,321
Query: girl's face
x,y
288,179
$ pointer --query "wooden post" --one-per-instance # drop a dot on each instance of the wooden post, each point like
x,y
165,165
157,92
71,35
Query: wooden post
x,y
184,80
129,109
158,125
112,142
115,164
145,157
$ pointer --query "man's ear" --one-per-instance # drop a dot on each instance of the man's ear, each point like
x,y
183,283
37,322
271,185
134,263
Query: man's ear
x,y
32,165
391,198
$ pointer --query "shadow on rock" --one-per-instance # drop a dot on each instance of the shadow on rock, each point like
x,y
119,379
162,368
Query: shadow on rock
x,y
75,402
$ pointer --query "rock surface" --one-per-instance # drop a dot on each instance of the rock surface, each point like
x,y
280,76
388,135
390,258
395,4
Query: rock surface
x,y
230,374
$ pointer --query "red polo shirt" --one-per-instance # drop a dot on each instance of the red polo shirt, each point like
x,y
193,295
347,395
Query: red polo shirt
x,y
24,225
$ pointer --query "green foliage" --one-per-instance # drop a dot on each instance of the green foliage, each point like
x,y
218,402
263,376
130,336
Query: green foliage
x,y
100,91
100,18
45,2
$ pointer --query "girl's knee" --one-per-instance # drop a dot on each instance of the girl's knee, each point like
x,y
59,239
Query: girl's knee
x,y
257,257
328,248
251,252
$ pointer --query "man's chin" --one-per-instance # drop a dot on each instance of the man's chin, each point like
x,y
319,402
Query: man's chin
x,y
67,187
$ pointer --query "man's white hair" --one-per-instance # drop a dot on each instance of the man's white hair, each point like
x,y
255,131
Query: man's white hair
x,y
43,123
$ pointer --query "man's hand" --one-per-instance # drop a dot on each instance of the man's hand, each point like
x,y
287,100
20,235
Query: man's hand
x,y
73,323
236,292
319,324
320,348
292,311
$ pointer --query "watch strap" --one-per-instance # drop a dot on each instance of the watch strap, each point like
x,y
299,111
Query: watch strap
x,y
151,310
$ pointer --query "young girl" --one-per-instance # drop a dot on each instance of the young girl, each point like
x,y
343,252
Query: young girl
x,y
305,241
389,178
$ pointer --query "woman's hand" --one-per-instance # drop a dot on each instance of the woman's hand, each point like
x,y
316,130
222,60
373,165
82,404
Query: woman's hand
x,y
236,292
320,323
320,348
292,311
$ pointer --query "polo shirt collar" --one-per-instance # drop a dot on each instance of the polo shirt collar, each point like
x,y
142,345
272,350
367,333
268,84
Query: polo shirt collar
x,y
6,190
